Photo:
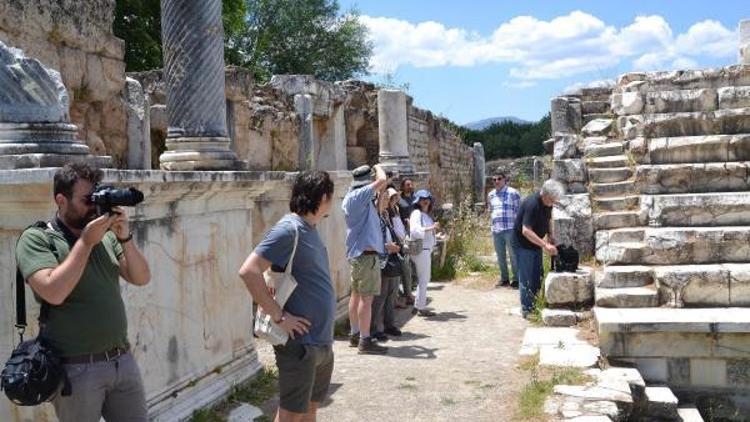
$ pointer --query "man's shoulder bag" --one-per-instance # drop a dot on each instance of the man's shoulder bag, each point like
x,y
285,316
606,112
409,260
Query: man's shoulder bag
x,y
282,283
34,373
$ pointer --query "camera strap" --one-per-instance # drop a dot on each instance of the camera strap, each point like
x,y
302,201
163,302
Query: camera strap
x,y
21,322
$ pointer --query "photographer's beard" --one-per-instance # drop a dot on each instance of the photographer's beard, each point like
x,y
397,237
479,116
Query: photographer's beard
x,y
78,219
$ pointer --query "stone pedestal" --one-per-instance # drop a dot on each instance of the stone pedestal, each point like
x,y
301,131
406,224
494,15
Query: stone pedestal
x,y
744,31
193,44
393,132
35,128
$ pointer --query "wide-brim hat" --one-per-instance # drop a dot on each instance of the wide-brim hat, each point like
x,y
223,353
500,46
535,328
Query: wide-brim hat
x,y
361,176
422,194
390,192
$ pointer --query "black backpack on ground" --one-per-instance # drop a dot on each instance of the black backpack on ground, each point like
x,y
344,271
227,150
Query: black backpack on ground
x,y
566,259
34,373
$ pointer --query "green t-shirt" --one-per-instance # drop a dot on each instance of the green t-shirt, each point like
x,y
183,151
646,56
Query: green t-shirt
x,y
92,318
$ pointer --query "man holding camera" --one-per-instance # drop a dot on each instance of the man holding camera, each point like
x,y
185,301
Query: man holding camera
x,y
364,246
74,270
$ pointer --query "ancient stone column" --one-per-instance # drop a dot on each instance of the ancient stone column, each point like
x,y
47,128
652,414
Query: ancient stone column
x,y
303,106
193,45
744,31
566,115
480,177
35,128
393,132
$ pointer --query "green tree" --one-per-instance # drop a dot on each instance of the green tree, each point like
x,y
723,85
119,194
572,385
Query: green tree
x,y
267,36
138,22
301,37
509,139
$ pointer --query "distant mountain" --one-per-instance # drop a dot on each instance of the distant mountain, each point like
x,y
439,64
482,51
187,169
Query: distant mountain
x,y
485,123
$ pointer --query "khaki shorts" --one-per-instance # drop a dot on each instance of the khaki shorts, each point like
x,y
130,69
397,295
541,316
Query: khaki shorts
x,y
365,275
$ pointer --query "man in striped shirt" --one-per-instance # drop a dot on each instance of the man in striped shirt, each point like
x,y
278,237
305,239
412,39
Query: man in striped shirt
x,y
503,202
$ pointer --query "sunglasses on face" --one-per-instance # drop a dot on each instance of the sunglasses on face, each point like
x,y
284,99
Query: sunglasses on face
x,y
497,179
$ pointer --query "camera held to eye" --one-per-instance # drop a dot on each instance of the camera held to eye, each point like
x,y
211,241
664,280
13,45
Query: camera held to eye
x,y
106,197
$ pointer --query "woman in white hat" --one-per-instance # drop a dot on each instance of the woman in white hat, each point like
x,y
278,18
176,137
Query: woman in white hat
x,y
422,226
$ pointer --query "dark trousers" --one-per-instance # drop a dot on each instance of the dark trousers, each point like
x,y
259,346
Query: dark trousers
x,y
384,305
529,275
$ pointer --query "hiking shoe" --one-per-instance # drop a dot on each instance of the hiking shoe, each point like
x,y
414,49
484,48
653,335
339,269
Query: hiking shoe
x,y
369,347
502,283
392,331
381,337
425,313
354,340
514,285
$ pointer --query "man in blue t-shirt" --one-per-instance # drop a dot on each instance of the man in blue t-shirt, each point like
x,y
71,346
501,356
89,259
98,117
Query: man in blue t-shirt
x,y
364,246
305,362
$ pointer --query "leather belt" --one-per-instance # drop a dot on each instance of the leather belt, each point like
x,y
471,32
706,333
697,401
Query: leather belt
x,y
104,356
369,253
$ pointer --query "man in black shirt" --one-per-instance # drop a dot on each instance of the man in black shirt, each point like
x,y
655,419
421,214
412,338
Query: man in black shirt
x,y
406,203
530,228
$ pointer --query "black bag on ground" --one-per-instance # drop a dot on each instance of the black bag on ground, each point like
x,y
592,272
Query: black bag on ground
x,y
566,259
34,373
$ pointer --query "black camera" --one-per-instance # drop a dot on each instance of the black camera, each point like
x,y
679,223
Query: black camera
x,y
106,197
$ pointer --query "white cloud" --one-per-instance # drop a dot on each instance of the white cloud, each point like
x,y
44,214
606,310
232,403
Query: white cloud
x,y
537,49
520,84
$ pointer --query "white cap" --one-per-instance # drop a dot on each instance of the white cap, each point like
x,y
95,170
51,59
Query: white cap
x,y
391,192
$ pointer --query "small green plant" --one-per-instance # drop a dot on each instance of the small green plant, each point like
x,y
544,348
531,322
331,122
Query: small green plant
x,y
256,391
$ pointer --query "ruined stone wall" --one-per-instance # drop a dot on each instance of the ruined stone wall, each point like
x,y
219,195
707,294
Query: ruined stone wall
x,y
190,327
262,124
76,39
435,148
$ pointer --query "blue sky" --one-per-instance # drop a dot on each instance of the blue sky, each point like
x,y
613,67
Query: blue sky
x,y
470,60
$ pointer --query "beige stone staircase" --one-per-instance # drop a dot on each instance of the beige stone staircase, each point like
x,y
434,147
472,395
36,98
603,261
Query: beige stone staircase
x,y
670,188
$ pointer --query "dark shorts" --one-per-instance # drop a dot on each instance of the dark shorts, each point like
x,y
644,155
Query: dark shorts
x,y
304,375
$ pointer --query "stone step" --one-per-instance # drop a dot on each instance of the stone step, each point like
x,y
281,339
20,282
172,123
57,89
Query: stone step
x,y
667,101
702,209
659,125
618,203
588,141
693,178
608,162
627,297
657,326
595,107
642,82
598,126
603,150
691,149
689,414
622,276
593,116
615,219
618,189
609,175
734,96
661,403
673,245
683,285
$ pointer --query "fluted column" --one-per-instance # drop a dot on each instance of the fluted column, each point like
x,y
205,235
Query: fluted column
x,y
193,45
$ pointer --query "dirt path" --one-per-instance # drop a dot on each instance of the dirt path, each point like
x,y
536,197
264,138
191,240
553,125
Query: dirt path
x,y
458,365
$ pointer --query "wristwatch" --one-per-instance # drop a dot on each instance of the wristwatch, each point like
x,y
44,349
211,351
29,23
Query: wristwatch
x,y
127,239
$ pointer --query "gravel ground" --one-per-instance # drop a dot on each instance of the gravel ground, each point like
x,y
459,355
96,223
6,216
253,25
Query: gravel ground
x,y
457,365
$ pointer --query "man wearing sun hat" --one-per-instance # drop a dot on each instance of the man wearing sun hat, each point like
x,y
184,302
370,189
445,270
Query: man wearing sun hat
x,y
364,245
